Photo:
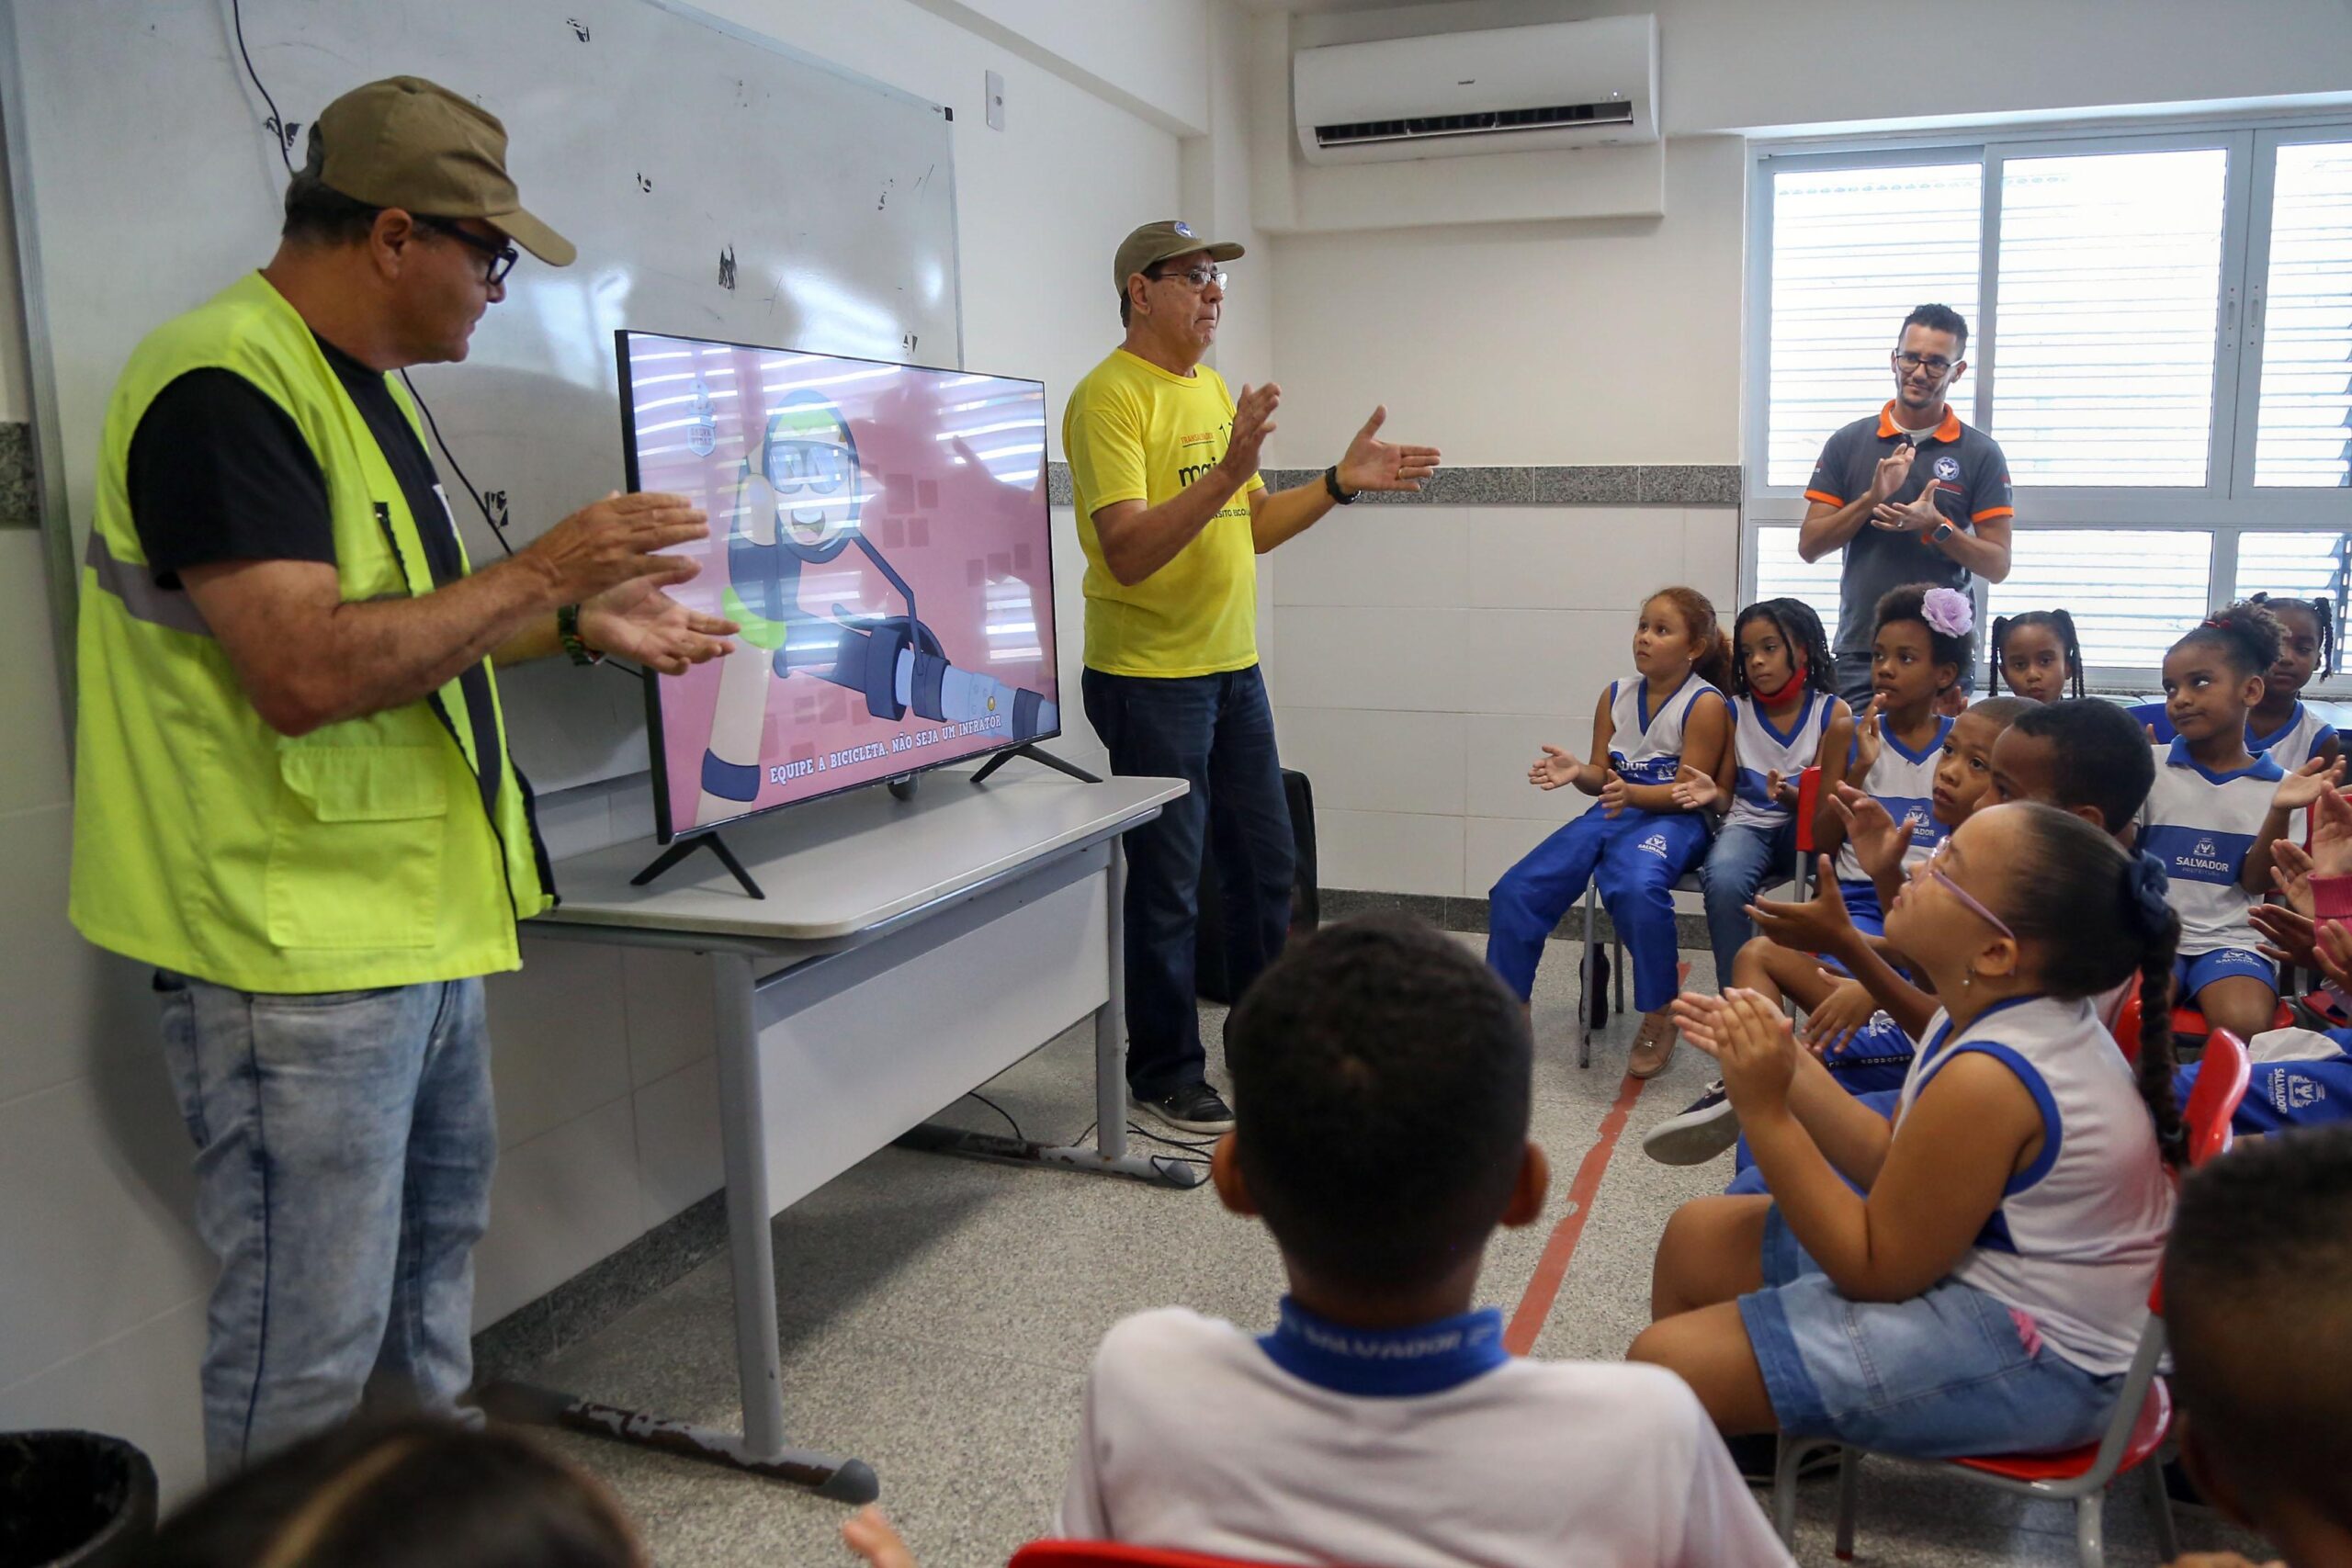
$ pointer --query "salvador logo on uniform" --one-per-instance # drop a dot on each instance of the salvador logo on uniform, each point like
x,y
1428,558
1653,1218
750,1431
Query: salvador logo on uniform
x,y
1654,844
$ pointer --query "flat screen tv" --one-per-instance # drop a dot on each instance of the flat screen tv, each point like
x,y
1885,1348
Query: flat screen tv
x,y
880,532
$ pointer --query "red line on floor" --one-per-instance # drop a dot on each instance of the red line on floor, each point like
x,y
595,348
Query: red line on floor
x,y
1551,1269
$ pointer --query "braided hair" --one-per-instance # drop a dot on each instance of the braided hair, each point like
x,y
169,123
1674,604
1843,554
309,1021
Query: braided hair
x,y
1800,628
2060,624
2244,633
2323,613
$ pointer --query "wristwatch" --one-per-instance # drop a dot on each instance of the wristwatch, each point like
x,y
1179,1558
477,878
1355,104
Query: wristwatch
x,y
1943,533
1331,484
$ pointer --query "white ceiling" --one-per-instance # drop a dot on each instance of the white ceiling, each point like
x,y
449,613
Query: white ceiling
x,y
1332,5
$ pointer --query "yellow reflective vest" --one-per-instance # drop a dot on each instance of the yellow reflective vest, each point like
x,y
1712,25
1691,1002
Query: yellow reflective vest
x,y
358,855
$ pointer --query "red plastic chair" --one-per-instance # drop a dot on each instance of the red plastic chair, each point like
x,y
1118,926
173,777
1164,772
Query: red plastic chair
x,y
1115,1554
2188,1024
2143,1410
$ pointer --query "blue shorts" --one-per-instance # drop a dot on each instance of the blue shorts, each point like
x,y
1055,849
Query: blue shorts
x,y
1861,906
1951,1372
2192,972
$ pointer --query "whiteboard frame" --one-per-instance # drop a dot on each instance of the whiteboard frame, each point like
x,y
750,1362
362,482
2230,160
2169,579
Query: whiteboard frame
x,y
52,514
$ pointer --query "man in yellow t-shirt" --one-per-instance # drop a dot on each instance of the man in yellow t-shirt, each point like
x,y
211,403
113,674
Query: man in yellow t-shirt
x,y
1172,513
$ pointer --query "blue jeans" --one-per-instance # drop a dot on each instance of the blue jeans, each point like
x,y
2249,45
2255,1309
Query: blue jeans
x,y
344,1143
1746,856
1216,733
1636,858
1951,1370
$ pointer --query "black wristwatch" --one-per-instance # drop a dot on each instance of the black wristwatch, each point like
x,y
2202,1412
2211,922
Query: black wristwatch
x,y
567,632
1331,484
1942,532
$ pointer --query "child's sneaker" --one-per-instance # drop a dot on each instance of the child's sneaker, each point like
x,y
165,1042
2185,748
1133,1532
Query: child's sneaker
x,y
1696,1135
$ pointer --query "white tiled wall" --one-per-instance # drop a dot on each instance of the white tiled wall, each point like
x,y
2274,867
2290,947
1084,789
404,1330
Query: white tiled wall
x,y
1422,655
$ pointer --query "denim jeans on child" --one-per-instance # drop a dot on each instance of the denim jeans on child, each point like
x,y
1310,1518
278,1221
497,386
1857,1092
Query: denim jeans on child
x,y
1216,733
1746,858
1636,858
345,1145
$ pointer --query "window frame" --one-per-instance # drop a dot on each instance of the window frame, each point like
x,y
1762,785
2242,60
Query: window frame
x,y
2229,504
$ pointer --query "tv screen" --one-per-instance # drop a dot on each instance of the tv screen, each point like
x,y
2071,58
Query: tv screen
x,y
879,532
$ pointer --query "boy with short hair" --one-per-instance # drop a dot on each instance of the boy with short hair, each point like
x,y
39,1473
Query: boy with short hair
x,y
1381,1081
2257,1276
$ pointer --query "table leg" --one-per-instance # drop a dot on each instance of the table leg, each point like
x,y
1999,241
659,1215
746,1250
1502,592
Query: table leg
x,y
1111,1018
750,1247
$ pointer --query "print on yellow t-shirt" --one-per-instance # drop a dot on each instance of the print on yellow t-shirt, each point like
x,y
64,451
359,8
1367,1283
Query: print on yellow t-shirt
x,y
1134,432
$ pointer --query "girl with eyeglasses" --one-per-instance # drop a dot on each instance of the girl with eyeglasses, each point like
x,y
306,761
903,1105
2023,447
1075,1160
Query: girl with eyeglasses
x,y
1984,1291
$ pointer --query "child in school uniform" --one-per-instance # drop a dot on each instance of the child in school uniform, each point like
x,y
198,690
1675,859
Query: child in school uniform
x,y
2038,653
1668,723
1984,1291
1782,702
2214,811
2258,1315
1381,1082
1920,641
2280,725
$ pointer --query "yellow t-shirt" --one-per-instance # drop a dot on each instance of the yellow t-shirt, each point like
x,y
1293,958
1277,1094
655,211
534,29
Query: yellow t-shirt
x,y
1134,432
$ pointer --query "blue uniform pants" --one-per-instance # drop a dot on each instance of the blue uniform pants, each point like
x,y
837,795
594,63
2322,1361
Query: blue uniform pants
x,y
1634,858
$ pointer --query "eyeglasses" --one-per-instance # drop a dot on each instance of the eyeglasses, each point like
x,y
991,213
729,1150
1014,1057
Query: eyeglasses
x,y
1198,276
498,259
1935,362
1968,900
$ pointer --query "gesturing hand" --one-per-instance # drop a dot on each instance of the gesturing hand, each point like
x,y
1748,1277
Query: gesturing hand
x,y
1913,516
1370,463
1615,794
1694,790
1558,766
1253,421
639,621
1695,1014
1757,1051
2290,934
1782,789
2333,953
614,541
1892,471
1841,1015
1813,926
1867,737
2331,835
2307,783
1879,840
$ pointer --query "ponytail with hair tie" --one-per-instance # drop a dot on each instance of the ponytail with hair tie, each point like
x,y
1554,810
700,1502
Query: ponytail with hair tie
x,y
2150,900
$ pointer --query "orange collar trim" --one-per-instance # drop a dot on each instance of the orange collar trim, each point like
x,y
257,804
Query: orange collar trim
x,y
1948,431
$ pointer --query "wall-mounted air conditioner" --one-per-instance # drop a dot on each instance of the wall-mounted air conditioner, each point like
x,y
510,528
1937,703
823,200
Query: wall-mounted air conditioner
x,y
1504,90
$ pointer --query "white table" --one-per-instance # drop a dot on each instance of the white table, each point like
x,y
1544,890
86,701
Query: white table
x,y
1006,894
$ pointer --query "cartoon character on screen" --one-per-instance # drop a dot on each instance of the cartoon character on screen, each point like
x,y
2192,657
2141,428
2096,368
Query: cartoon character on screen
x,y
808,462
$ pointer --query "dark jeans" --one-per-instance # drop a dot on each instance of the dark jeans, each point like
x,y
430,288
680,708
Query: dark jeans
x,y
1215,733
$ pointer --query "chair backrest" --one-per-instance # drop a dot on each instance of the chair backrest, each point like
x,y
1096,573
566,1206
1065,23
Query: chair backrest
x,y
2127,1027
1115,1554
2221,1076
1808,806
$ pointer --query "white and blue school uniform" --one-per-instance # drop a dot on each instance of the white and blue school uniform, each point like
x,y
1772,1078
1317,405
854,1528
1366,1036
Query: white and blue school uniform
x,y
1903,781
2024,1345
2201,825
1757,842
2291,745
2299,1077
1418,1447
1634,857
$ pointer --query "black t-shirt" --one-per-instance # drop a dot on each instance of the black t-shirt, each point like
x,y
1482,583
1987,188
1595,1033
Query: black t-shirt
x,y
219,472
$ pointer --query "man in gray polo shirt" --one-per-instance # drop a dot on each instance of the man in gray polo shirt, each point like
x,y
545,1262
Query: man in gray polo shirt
x,y
1912,495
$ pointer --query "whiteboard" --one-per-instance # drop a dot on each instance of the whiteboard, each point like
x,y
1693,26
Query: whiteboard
x,y
717,184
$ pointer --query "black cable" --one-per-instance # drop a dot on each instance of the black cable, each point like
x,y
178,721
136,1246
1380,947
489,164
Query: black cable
x,y
482,505
276,122
1000,1111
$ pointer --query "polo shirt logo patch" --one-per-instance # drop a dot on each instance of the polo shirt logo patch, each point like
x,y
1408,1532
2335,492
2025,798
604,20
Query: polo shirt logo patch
x,y
1946,467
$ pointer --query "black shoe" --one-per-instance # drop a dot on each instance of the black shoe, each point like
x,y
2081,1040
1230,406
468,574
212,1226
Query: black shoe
x,y
1697,1134
1195,1107
1758,1455
1596,984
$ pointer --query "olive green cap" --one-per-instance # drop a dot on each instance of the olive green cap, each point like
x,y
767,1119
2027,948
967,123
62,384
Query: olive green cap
x,y
411,143
1155,242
